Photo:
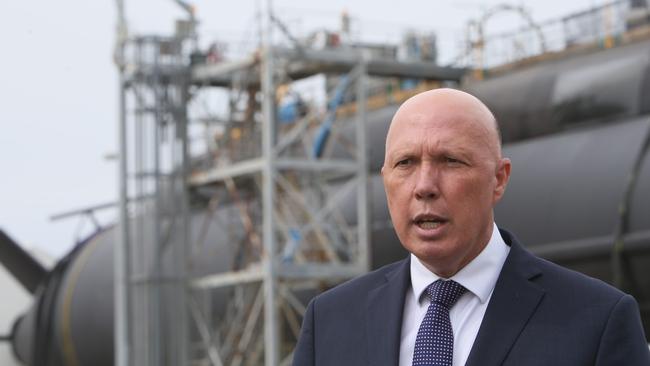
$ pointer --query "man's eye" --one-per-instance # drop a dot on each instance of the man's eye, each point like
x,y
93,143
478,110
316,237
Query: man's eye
x,y
403,163
452,160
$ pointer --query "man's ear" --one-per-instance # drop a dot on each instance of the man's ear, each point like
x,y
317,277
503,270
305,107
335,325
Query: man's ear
x,y
381,172
502,177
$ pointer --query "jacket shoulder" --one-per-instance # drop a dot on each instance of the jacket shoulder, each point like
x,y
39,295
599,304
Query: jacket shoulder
x,y
576,284
357,288
554,278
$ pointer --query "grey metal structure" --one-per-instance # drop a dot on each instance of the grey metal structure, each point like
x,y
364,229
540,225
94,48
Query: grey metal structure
x,y
296,240
306,243
302,243
291,238
151,327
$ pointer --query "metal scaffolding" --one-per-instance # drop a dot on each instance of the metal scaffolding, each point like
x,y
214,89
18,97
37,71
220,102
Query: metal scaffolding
x,y
275,189
220,251
151,326
305,243
301,242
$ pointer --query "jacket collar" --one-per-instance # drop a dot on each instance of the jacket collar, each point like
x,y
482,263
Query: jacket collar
x,y
514,301
385,308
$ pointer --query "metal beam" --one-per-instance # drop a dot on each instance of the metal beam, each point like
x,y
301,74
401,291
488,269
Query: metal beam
x,y
256,165
228,279
363,220
219,174
309,62
122,270
223,73
305,63
269,262
206,335
27,270
319,165
318,271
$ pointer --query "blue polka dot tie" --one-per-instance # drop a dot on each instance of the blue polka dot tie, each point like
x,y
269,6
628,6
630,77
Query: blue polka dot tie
x,y
434,344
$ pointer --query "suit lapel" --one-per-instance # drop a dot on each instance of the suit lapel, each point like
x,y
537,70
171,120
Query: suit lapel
x,y
513,302
384,316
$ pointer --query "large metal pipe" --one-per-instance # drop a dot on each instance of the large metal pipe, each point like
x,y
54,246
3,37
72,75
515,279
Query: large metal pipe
x,y
560,94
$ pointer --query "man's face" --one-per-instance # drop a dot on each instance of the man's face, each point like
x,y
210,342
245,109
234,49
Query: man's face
x,y
443,175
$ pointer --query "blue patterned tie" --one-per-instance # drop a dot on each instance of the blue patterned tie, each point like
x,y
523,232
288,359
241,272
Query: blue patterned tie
x,y
434,344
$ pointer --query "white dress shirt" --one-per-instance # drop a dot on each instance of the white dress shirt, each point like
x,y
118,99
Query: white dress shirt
x,y
479,278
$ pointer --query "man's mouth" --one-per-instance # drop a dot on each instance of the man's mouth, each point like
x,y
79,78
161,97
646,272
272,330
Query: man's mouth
x,y
428,222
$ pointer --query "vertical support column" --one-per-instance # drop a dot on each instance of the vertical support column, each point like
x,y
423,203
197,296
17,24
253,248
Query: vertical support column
x,y
121,262
183,171
271,326
122,275
157,249
363,224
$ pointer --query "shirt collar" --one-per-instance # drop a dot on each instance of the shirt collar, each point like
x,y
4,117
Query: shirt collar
x,y
479,276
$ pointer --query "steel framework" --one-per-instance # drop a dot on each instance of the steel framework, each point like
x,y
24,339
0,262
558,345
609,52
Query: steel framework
x,y
151,327
276,190
303,243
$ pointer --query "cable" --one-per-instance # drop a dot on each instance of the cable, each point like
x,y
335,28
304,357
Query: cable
x,y
618,258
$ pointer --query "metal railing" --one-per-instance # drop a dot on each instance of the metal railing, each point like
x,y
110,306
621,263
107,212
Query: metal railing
x,y
602,26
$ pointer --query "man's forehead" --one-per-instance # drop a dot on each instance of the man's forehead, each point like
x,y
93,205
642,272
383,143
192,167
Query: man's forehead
x,y
447,108
436,137
431,123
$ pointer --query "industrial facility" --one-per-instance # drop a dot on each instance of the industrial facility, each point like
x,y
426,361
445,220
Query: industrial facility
x,y
250,185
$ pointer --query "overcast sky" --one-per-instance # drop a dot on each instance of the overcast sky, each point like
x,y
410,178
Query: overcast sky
x,y
58,89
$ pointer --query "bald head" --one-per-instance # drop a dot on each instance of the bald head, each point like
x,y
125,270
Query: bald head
x,y
449,106
443,173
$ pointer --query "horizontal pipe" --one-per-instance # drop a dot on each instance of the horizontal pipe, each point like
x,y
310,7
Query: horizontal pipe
x,y
592,247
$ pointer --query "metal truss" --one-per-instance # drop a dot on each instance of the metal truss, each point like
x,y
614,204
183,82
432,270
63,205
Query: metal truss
x,y
298,240
151,318
268,199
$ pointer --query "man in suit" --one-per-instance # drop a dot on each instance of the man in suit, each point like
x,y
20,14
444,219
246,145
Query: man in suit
x,y
469,293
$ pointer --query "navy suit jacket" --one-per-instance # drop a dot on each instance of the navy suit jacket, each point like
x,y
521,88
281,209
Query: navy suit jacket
x,y
539,314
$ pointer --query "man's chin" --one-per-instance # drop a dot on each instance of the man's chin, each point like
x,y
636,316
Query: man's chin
x,y
433,255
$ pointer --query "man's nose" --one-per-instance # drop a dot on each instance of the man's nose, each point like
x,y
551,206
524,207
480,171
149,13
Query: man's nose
x,y
426,185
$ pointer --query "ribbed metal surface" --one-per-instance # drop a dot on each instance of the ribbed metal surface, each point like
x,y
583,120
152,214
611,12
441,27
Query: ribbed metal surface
x,y
560,94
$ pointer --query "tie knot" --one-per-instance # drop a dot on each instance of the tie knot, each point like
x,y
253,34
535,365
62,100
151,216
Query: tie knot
x,y
445,293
